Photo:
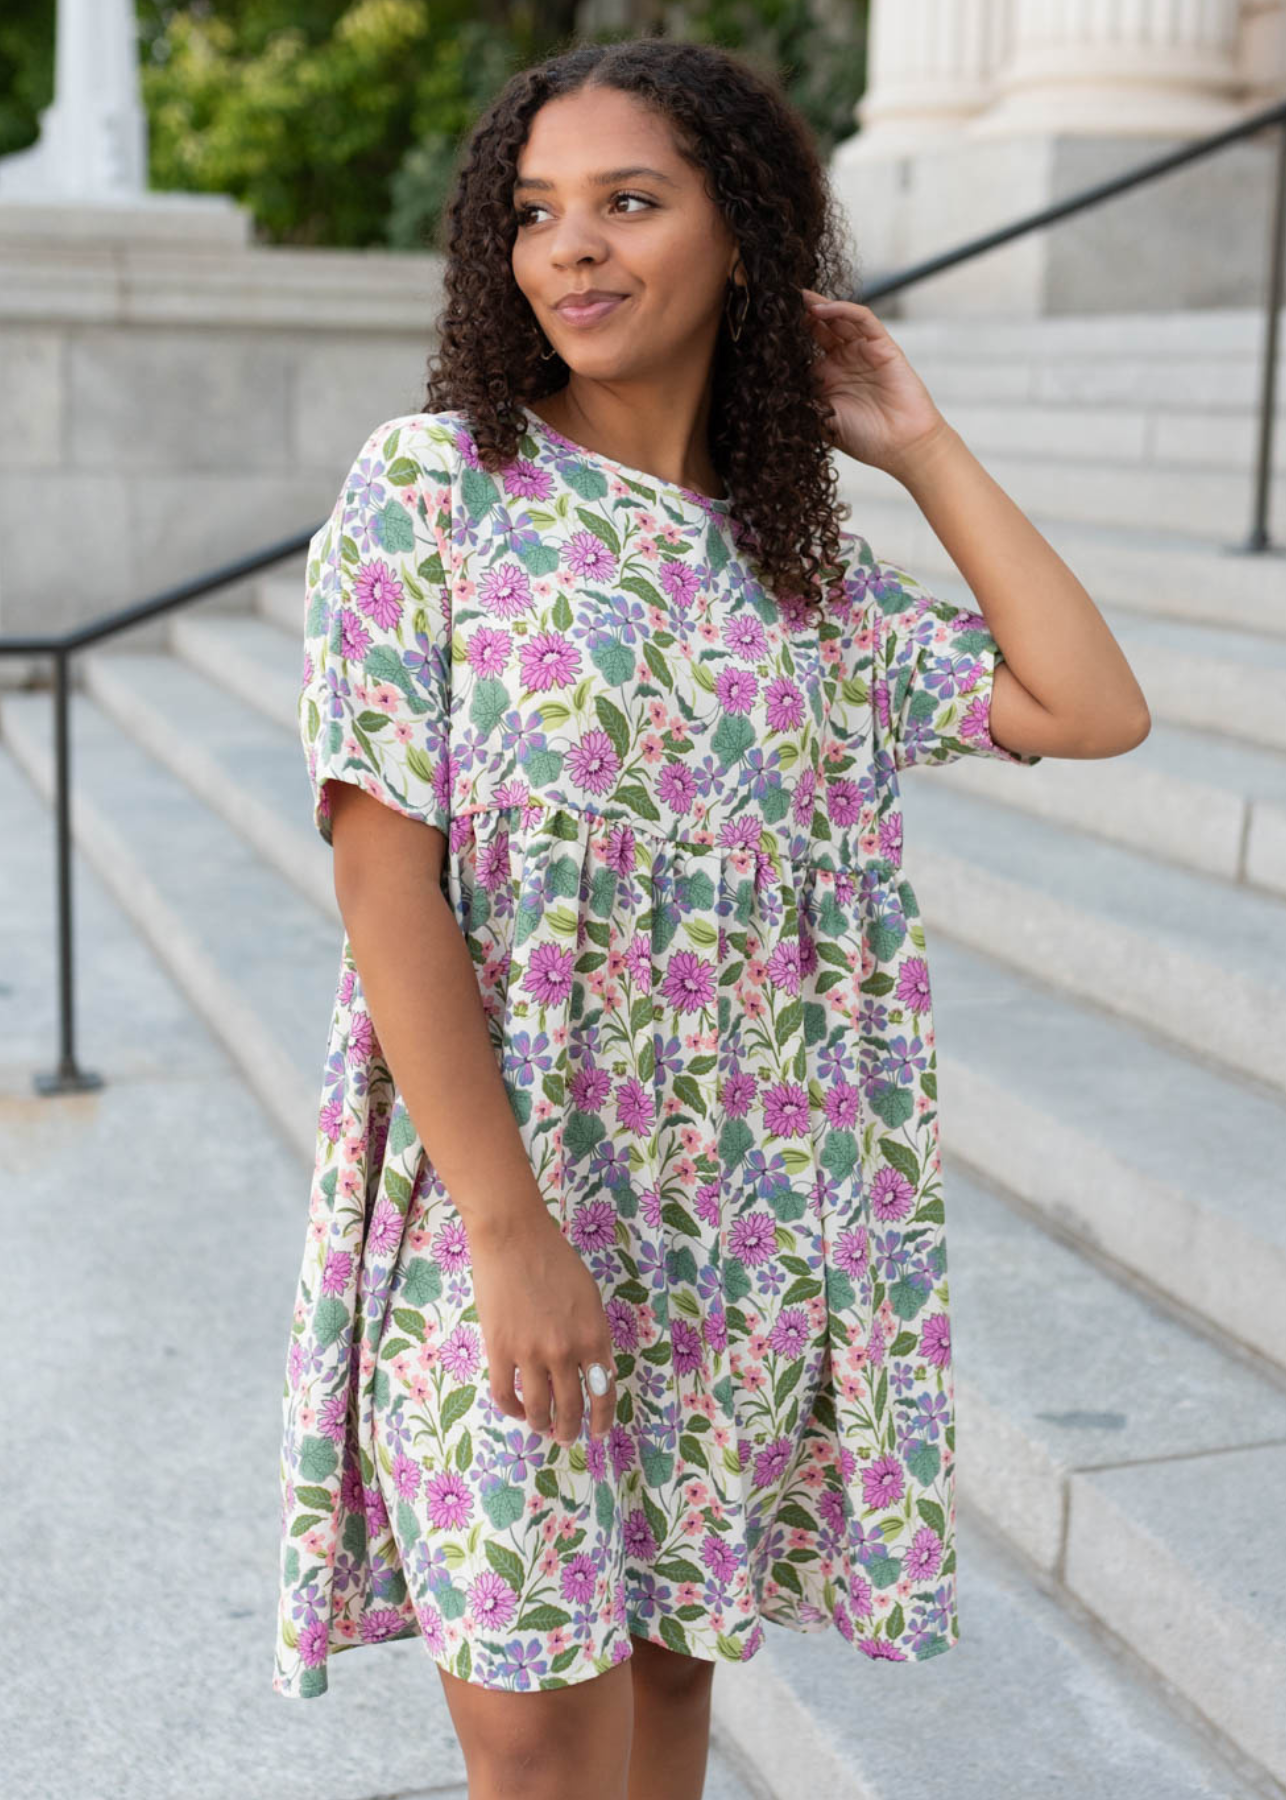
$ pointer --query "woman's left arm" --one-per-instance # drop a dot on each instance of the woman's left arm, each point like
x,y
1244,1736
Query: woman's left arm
x,y
1064,687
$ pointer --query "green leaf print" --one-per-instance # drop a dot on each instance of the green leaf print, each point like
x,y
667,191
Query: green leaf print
x,y
674,1634
733,737
543,1618
561,617
892,1104
329,1320
658,1470
490,703
614,662
637,800
507,1564
615,724
602,530
478,491
503,1505
735,1142
394,529
422,1282
318,1458
456,1404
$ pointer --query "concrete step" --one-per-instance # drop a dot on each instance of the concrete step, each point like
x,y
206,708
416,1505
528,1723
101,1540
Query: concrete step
x,y
1166,1169
244,765
1196,961
1098,1437
1171,574
254,958
1035,1700
1185,796
249,656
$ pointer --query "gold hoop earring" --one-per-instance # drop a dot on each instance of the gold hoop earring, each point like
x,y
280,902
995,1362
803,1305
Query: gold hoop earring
x,y
735,330
546,354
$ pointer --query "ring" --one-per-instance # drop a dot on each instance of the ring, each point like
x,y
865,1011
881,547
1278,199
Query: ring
x,y
597,1378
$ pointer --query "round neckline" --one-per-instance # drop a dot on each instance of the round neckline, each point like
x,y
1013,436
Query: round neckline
x,y
692,495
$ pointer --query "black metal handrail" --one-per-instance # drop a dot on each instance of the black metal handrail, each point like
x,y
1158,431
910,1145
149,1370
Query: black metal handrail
x,y
68,1077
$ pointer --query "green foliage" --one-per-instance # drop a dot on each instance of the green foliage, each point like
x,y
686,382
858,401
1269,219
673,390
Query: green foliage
x,y
338,122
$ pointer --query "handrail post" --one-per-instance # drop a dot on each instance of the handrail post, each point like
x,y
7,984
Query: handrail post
x,y
1257,539
67,1078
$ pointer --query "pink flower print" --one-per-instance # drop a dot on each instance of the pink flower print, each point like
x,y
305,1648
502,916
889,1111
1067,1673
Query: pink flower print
x,y
451,1246
430,1621
624,1324
589,557
638,960
753,1237
890,837
549,974
526,482
384,1233
335,1274
842,1106
590,1088
460,1353
717,1557
594,1225
924,1557
805,789
738,1091
449,1501
679,582
843,802
593,763
736,689
491,1600
488,652
685,1343
639,1541
620,1445
505,590
379,594
913,984
772,1462
935,1339
578,1579
883,1482
354,638
783,966
975,724
548,660
619,853
313,1645
785,704
406,1475
493,863
688,983
789,1336
746,637
677,787
892,1195
786,1109
635,1106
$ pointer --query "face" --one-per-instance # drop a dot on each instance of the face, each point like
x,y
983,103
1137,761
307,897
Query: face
x,y
604,200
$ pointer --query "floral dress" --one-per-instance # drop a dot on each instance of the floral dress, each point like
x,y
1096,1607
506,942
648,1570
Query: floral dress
x,y
675,852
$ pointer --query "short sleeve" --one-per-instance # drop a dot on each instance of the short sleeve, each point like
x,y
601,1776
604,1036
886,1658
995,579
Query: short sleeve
x,y
375,701
934,670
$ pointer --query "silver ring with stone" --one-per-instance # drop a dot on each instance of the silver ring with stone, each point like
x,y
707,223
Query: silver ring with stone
x,y
597,1378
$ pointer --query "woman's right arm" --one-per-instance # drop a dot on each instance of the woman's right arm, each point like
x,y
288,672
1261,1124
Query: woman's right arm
x,y
539,1306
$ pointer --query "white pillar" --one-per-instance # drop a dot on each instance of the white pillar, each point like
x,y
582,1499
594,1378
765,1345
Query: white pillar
x,y
1117,68
93,138
930,66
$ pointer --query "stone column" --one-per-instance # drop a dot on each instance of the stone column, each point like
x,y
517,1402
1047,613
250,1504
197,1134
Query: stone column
x,y
929,69
93,138
1117,68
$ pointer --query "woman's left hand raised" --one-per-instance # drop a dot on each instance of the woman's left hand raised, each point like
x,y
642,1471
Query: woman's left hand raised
x,y
881,412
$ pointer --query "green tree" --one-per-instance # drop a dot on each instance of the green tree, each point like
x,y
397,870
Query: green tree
x,y
338,122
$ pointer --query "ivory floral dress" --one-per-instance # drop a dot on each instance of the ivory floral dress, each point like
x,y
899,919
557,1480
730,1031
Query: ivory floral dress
x,y
675,853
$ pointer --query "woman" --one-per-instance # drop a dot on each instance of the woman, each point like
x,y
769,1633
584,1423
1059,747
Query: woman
x,y
631,1077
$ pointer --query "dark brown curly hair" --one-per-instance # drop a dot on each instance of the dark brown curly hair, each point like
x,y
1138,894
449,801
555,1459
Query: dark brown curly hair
x,y
768,437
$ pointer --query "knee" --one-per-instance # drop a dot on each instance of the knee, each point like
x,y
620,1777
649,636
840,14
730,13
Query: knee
x,y
669,1673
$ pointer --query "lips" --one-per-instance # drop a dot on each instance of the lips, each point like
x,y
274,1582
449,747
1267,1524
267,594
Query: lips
x,y
588,312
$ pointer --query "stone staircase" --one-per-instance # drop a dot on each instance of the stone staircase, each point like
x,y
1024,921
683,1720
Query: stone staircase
x,y
1108,947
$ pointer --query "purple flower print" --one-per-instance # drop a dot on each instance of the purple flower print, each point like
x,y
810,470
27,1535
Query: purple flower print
x,y
524,481
736,689
451,1246
523,1454
527,1057
745,637
913,984
639,1541
718,1557
384,1233
935,1339
688,983
505,590
492,1601
677,787
460,1353
635,1106
578,1578
686,1342
549,975
679,582
883,1482
449,1501
790,1335
892,1195
588,558
785,705
842,1106
548,660
753,1237
594,1225
592,762
522,1662
379,594
355,639
786,1110
589,1087
738,1094
624,1323
488,652
843,801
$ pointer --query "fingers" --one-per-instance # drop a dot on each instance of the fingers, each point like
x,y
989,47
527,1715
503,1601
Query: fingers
x,y
505,1395
568,1401
536,1395
602,1407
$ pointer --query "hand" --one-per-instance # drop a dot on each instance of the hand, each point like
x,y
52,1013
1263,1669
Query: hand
x,y
880,410
540,1311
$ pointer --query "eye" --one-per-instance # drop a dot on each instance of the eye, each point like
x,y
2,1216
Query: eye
x,y
523,213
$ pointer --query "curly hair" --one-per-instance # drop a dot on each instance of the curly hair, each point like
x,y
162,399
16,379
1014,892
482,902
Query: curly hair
x,y
768,433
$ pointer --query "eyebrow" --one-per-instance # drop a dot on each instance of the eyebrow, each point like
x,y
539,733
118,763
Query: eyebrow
x,y
604,179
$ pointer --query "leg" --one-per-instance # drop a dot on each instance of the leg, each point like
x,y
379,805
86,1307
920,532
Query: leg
x,y
569,1743
671,1723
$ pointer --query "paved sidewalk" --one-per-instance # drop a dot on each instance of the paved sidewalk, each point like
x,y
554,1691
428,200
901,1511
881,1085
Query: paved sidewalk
x,y
152,1236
